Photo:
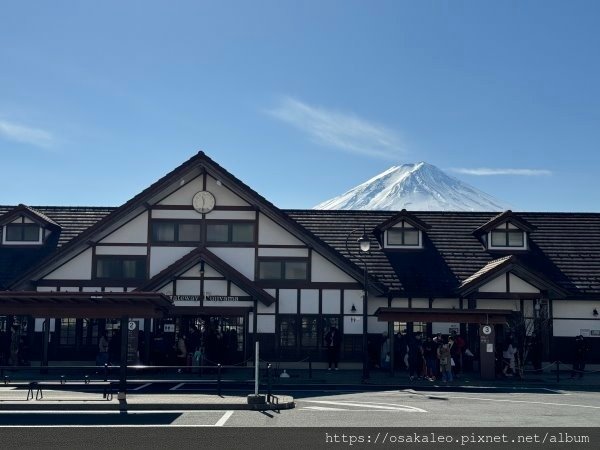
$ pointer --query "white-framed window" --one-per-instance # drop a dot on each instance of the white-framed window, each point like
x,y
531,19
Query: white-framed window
x,y
507,236
22,233
403,235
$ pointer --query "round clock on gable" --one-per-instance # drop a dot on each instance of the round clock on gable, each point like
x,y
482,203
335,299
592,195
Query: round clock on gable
x,y
203,202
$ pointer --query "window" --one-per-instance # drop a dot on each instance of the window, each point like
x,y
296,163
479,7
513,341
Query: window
x,y
22,232
174,231
68,331
121,267
230,233
287,331
310,331
507,235
283,269
403,234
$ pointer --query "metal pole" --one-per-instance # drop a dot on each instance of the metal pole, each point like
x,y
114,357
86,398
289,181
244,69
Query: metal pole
x,y
269,380
557,371
219,379
123,368
45,345
256,362
365,344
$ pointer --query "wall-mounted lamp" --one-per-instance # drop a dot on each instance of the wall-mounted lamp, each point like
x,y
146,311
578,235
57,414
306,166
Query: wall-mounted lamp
x,y
595,312
353,309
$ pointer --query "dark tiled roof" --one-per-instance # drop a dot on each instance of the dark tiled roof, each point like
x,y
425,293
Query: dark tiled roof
x,y
565,248
72,220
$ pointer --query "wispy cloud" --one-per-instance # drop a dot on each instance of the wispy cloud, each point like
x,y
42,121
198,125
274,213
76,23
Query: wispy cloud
x,y
28,135
485,172
340,130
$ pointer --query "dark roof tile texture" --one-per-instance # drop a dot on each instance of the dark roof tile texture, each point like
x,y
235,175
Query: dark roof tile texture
x,y
564,247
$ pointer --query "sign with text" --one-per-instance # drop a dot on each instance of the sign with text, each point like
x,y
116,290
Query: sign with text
x,y
210,298
132,342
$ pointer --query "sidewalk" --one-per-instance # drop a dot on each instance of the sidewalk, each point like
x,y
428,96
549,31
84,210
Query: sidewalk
x,y
14,400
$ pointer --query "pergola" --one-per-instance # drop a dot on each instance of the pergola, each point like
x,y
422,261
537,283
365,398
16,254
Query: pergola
x,y
105,305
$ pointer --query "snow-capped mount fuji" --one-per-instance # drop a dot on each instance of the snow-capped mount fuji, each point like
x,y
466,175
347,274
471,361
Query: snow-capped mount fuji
x,y
416,187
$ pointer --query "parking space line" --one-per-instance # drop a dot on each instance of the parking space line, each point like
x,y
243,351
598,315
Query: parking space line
x,y
141,387
177,386
224,419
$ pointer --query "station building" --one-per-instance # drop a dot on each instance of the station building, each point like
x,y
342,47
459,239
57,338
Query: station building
x,y
227,258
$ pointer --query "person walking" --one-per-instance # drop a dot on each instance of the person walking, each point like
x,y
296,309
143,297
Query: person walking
x,y
102,357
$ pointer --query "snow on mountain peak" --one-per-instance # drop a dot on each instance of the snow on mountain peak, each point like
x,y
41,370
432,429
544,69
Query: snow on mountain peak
x,y
416,187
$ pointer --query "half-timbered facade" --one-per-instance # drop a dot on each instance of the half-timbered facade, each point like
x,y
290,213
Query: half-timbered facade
x,y
229,259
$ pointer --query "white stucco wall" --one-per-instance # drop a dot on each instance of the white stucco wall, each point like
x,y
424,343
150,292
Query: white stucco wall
x,y
331,301
375,303
575,309
498,284
269,233
241,259
265,323
223,196
353,297
309,301
288,301
133,232
399,303
184,195
231,215
291,252
571,328
163,257
176,214
353,325
324,271
121,250
519,285
513,305
79,268
215,287
188,287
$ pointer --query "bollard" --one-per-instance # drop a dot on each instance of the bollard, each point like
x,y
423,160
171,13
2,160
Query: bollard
x,y
105,372
309,367
62,379
86,379
268,380
219,380
557,371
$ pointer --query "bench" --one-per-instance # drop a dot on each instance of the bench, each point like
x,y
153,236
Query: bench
x,y
39,386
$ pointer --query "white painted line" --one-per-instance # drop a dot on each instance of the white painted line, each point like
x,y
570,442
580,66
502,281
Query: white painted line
x,y
324,408
526,401
174,388
109,426
141,387
224,419
373,405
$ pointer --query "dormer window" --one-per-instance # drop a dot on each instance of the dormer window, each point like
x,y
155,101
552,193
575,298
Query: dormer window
x,y
507,235
403,235
23,232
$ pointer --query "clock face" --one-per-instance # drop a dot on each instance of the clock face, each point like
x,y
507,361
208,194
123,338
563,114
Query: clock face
x,y
203,202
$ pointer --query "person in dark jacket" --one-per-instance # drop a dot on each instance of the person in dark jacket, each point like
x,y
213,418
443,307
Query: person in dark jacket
x,y
415,357
333,340
579,353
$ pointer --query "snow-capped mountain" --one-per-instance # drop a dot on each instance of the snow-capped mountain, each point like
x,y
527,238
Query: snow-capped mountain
x,y
416,187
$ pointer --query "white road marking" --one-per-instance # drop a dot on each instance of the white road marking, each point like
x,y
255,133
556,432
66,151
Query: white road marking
x,y
224,419
174,388
371,405
526,401
324,408
141,387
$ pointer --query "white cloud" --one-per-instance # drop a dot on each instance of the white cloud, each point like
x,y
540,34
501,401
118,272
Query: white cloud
x,y
28,135
484,171
336,129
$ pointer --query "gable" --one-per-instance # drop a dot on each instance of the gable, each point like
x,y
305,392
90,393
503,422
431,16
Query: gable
x,y
508,283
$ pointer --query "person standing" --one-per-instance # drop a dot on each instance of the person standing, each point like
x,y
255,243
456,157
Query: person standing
x,y
333,340
430,355
579,356
102,357
445,362
415,357
182,352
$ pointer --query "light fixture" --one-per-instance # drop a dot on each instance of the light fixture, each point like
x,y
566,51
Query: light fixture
x,y
201,268
353,309
364,242
595,312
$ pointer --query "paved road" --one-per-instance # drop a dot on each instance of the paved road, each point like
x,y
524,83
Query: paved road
x,y
376,409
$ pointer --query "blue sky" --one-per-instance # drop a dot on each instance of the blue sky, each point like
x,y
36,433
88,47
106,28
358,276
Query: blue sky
x,y
302,100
